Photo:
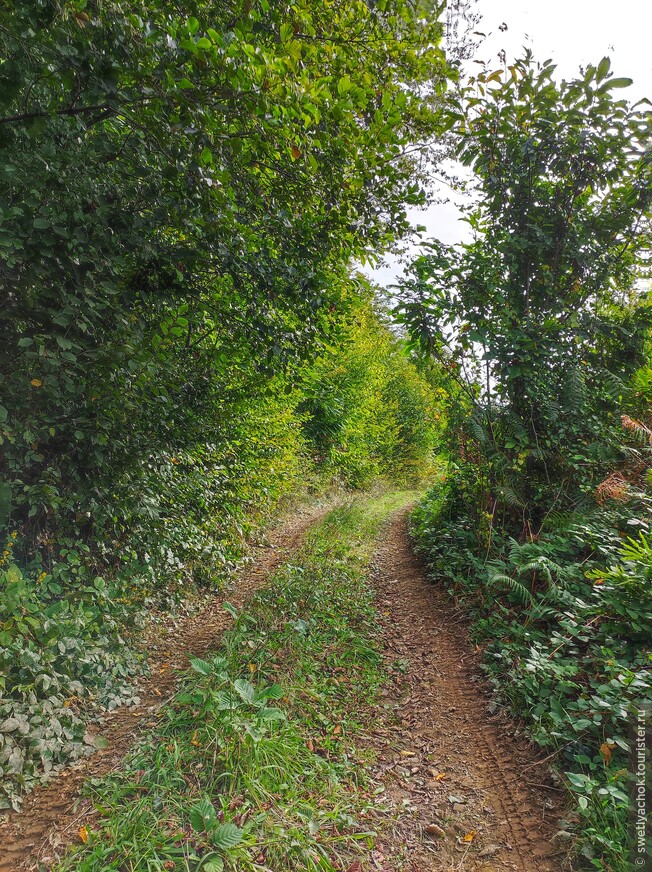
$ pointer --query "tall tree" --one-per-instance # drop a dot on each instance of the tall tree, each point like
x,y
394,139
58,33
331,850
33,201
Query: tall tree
x,y
542,305
177,183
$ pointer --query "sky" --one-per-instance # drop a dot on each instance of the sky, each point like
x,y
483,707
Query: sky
x,y
571,32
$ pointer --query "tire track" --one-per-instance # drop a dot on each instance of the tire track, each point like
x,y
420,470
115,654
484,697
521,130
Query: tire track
x,y
454,773
52,815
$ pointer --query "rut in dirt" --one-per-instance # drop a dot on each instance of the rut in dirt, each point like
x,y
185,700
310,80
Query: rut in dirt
x,y
467,793
52,815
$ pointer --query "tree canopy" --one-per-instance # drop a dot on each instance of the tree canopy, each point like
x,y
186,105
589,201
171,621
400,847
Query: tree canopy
x,y
540,314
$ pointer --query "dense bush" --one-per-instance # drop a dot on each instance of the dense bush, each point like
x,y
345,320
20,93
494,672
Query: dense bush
x,y
62,659
568,617
178,522
542,325
182,189
369,412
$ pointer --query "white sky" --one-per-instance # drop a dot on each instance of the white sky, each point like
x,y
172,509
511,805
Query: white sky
x,y
571,32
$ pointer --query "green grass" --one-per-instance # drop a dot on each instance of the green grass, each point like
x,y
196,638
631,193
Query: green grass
x,y
253,766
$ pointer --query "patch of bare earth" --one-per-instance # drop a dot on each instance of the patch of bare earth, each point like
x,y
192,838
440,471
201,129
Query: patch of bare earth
x,y
467,791
52,815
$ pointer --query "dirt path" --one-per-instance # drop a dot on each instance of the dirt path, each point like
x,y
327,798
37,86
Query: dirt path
x,y
52,815
467,793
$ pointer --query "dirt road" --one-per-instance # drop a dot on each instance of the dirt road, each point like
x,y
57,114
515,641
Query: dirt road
x,y
467,794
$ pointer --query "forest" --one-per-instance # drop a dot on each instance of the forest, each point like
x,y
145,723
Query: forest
x,y
297,571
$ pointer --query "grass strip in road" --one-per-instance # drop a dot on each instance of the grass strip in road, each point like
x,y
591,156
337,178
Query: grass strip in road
x,y
253,765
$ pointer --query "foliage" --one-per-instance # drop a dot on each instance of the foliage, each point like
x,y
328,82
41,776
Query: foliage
x,y
542,325
179,526
62,659
182,188
271,762
539,318
564,620
179,197
369,411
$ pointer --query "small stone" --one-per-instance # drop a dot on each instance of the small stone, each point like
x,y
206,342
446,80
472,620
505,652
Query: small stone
x,y
489,851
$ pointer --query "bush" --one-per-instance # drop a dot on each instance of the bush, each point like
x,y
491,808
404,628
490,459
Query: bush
x,y
369,411
567,617
62,661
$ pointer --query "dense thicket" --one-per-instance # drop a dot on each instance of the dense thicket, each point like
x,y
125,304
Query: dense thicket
x,y
542,320
182,188
178,196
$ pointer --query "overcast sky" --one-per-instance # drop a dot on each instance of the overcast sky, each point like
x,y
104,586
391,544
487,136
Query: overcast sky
x,y
571,32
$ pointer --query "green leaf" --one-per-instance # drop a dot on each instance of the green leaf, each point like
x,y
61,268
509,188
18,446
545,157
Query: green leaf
x,y
578,781
226,836
245,690
344,85
274,691
615,83
212,863
231,609
202,816
603,68
271,714
201,666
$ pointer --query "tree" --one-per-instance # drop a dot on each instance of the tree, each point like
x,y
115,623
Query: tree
x,y
178,185
540,312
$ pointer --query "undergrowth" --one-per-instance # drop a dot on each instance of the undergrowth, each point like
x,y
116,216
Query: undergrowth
x,y
86,560
252,766
566,625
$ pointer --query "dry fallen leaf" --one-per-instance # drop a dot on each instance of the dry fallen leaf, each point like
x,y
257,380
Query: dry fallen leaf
x,y
440,777
469,836
296,152
83,834
36,382
605,750
489,851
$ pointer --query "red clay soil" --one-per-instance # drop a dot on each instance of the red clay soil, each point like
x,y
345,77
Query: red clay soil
x,y
467,791
52,815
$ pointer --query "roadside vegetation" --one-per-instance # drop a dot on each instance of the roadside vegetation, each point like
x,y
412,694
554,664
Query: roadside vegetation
x,y
186,346
253,765
183,345
541,525
73,610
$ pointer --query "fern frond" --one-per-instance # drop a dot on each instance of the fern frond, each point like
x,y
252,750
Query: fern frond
x,y
521,591
511,497
541,566
574,390
615,386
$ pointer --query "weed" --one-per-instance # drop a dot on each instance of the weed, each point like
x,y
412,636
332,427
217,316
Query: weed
x,y
253,766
